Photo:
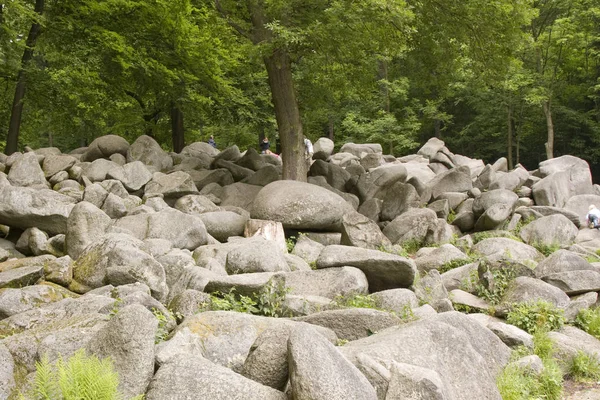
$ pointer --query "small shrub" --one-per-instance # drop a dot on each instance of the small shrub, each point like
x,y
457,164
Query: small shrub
x,y
355,301
515,383
412,246
268,302
534,317
81,377
290,243
450,265
502,278
522,224
479,236
451,216
270,299
589,320
584,368
162,332
546,249
341,342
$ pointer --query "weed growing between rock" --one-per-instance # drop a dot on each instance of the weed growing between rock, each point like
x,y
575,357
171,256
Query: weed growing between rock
x,y
535,317
79,377
588,320
546,249
584,368
494,292
268,302
518,383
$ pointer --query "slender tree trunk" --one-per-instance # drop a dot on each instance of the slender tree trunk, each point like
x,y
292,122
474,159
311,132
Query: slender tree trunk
x,y
50,139
287,114
12,138
177,131
550,125
331,126
509,142
437,126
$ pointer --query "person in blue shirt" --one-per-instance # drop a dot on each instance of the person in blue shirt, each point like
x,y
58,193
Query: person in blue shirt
x,y
212,142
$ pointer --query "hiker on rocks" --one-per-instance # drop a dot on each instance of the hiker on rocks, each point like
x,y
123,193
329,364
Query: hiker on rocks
x,y
265,146
308,152
212,142
593,217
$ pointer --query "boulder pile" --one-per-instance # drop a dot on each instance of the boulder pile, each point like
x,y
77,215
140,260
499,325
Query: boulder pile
x,y
136,254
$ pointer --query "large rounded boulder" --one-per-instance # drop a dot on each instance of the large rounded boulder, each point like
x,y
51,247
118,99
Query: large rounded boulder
x,y
300,205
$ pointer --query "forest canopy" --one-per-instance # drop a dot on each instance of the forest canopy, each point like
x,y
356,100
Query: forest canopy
x,y
493,78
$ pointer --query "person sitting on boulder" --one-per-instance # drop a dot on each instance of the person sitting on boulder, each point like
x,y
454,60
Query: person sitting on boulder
x,y
265,146
593,217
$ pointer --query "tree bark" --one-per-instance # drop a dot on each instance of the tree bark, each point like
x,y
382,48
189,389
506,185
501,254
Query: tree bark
x,y
437,126
550,125
12,138
509,142
177,131
330,132
287,114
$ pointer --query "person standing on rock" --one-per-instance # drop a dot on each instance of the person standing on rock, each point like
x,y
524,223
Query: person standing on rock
x,y
308,152
593,217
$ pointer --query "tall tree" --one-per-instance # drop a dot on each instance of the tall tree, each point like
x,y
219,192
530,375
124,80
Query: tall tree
x,y
12,137
285,32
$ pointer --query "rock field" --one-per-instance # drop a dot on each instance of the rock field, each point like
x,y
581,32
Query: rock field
x,y
124,249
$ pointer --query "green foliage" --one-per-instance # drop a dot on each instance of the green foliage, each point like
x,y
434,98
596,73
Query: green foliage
x,y
588,320
163,320
546,249
534,317
584,368
81,377
516,383
355,300
412,246
502,277
268,302
522,224
451,216
479,236
271,298
450,265
290,243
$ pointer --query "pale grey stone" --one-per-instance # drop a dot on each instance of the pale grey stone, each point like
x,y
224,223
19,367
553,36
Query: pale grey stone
x,y
128,339
383,270
190,377
300,206
319,372
86,224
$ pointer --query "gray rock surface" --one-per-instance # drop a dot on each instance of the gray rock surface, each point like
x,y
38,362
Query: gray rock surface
x,y
300,206
190,377
319,372
383,270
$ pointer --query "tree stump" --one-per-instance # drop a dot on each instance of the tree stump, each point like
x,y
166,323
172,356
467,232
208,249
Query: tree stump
x,y
269,230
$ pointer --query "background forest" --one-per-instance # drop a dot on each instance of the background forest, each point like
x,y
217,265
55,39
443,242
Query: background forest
x,y
492,78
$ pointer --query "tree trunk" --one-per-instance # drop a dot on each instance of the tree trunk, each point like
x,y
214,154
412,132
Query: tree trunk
x,y
287,114
330,132
509,142
550,143
12,138
177,131
437,126
50,139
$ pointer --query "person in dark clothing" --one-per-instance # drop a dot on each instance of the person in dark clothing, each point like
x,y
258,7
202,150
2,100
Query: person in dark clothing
x,y
265,146
212,142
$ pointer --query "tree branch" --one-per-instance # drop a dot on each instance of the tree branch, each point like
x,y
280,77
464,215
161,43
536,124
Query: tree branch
x,y
231,23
